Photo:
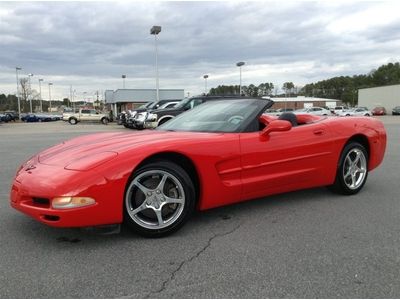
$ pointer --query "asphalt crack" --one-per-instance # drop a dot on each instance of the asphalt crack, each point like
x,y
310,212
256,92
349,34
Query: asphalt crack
x,y
190,259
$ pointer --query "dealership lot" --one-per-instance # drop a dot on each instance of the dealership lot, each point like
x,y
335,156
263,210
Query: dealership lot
x,y
303,244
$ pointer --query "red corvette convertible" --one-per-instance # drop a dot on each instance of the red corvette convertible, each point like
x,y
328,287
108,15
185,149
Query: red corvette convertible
x,y
219,153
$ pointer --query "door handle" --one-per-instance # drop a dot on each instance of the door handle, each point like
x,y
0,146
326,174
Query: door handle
x,y
319,131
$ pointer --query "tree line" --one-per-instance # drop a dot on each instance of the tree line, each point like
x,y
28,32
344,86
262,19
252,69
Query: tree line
x,y
344,88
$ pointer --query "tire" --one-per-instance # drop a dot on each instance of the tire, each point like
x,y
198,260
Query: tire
x,y
367,115
73,121
129,126
350,180
144,197
104,121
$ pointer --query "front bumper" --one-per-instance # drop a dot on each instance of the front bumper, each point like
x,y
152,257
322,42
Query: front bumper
x,y
32,192
139,124
150,125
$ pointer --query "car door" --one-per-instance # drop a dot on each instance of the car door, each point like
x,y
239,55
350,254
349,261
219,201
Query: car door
x,y
85,115
286,161
317,111
94,116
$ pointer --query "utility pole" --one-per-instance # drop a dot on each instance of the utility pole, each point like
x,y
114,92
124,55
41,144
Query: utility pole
x,y
155,30
40,94
19,102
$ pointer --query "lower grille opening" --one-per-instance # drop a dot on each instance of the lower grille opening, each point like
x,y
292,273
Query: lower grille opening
x,y
51,218
40,201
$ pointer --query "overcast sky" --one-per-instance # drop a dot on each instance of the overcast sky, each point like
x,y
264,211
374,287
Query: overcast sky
x,y
89,45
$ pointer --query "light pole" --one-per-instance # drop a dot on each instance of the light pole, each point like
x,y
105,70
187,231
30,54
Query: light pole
x,y
40,94
155,30
123,81
50,84
205,84
19,103
30,91
240,64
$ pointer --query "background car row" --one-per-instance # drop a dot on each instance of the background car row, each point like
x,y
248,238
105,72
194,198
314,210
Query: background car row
x,y
39,118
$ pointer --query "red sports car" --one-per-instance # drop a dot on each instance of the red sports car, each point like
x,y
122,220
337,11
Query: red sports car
x,y
219,153
379,111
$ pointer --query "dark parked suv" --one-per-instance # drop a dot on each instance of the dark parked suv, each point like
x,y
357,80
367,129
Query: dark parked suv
x,y
154,118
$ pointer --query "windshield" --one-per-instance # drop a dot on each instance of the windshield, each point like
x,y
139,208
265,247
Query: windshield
x,y
217,116
183,102
146,105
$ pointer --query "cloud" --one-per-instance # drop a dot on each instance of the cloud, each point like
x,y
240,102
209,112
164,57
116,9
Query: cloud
x,y
90,44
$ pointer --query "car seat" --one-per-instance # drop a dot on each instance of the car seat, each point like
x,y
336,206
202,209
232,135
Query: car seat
x,y
289,116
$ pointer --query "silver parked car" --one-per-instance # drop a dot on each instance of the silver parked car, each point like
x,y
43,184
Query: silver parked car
x,y
315,110
358,111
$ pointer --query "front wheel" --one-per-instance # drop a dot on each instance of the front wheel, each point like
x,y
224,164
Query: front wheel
x,y
73,121
159,199
104,121
352,171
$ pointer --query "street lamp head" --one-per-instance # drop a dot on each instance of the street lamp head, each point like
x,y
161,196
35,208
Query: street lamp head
x,y
18,68
40,79
50,83
155,30
123,76
205,76
30,74
240,63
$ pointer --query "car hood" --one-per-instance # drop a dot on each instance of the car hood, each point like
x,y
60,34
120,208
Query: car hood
x,y
89,151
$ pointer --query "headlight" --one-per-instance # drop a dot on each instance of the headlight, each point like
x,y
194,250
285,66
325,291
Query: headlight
x,y
141,116
152,118
71,202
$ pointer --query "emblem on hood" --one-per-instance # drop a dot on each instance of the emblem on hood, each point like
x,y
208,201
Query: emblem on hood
x,y
30,167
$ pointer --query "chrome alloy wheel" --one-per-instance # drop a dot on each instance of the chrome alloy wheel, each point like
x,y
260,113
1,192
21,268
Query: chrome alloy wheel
x,y
155,199
354,168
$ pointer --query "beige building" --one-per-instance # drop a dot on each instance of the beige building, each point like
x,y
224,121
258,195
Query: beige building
x,y
386,96
303,102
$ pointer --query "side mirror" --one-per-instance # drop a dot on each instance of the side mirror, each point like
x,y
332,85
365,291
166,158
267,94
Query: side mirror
x,y
276,125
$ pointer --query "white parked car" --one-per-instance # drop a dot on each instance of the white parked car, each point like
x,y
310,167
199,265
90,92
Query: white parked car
x,y
315,110
358,111
339,109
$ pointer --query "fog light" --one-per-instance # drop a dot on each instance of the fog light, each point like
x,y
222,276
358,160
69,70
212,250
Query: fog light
x,y
71,202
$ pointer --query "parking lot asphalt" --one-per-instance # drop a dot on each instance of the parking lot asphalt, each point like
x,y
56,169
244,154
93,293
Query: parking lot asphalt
x,y
306,244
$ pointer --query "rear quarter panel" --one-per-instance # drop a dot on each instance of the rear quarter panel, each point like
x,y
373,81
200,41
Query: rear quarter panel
x,y
344,129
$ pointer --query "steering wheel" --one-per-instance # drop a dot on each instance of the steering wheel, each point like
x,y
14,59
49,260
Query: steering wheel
x,y
235,119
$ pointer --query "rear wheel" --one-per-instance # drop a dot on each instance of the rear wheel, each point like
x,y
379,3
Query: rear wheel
x,y
159,199
104,121
73,121
352,170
